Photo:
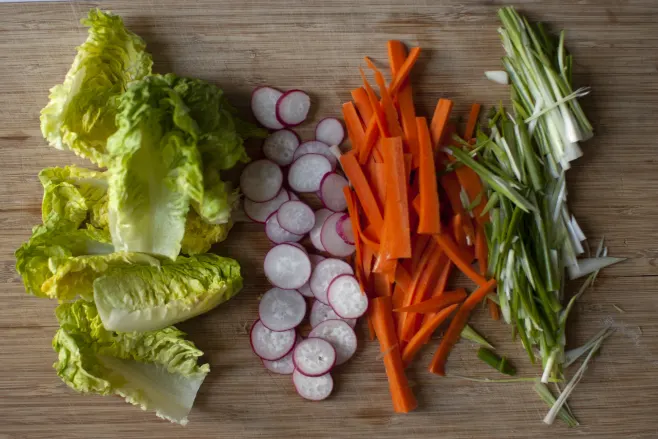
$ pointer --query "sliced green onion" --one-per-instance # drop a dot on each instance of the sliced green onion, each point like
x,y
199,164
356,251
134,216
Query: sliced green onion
x,y
499,363
472,335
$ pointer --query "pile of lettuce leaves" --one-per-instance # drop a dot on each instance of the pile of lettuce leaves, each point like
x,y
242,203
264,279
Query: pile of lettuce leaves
x,y
123,247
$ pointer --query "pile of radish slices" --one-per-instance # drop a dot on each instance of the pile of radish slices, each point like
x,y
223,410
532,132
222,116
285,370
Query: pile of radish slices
x,y
303,283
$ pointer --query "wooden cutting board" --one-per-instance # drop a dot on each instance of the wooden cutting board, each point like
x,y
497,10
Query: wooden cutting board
x,y
318,46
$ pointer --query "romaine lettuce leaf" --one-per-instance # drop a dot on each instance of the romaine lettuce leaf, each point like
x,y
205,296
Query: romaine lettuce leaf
x,y
80,115
155,370
200,235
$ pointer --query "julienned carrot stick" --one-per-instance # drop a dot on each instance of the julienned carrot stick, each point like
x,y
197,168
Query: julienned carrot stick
x,y
472,184
378,111
380,285
369,238
471,122
451,336
437,303
481,251
429,216
354,173
394,128
404,70
419,244
378,181
397,300
410,292
439,121
424,333
458,258
353,124
402,277
356,226
404,400
397,241
362,104
440,286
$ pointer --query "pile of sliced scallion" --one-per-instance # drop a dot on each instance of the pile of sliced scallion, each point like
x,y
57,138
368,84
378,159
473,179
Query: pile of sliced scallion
x,y
534,242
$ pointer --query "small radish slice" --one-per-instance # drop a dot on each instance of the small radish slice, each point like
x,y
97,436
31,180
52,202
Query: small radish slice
x,y
305,289
261,180
263,105
344,229
283,366
281,310
331,240
287,267
301,247
296,217
316,147
341,337
331,192
321,312
259,212
306,172
324,273
314,357
320,216
313,388
278,234
292,108
293,196
330,131
280,146
346,298
271,345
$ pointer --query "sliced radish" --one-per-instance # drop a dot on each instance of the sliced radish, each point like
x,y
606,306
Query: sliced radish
x,y
341,337
344,229
305,289
324,273
293,196
281,310
271,345
259,212
314,356
321,312
283,366
331,192
261,180
280,146
313,388
346,298
292,108
330,131
320,216
331,240
306,172
263,105
296,217
316,147
278,234
301,247
287,267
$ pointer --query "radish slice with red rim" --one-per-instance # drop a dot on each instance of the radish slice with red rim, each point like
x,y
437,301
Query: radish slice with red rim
x,y
278,234
263,104
292,108
271,345
283,366
330,131
320,217
313,388
341,337
321,312
346,298
314,356
324,273
316,147
280,146
345,230
305,289
259,212
306,173
296,217
261,180
281,310
287,267
331,240
331,192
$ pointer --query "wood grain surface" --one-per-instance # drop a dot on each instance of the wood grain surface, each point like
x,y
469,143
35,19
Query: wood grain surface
x,y
318,46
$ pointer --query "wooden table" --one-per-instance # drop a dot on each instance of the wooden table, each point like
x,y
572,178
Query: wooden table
x,y
318,46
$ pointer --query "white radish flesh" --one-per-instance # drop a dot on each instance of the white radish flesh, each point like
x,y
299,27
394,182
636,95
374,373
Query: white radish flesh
x,y
305,289
271,345
321,312
283,366
278,234
292,108
324,273
313,388
331,192
346,298
306,172
331,240
287,267
344,229
263,105
280,146
320,217
341,337
314,357
296,217
281,310
316,147
261,180
259,212
330,131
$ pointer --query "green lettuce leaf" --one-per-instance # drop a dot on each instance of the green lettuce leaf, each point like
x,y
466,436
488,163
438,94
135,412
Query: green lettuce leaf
x,y
147,298
80,115
155,370
200,235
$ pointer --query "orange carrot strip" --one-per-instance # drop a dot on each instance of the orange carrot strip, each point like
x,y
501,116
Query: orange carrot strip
x,y
452,335
441,284
380,285
429,251
378,181
430,218
458,258
367,260
353,212
439,121
397,299
437,303
403,72
355,174
450,184
404,400
423,335
353,124
472,121
378,111
370,140
362,104
472,184
369,238
394,128
397,241
403,278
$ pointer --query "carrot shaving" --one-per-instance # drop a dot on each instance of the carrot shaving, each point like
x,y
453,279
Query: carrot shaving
x,y
441,284
437,303
458,258
362,104
378,111
378,179
402,278
423,335
397,299
367,260
356,227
